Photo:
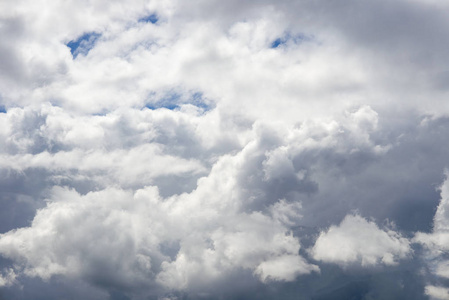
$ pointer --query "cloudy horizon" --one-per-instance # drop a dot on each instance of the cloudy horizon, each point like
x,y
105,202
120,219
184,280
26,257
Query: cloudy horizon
x,y
167,149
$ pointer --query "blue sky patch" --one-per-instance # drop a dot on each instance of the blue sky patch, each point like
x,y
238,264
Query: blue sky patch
x,y
83,44
149,19
170,101
173,101
296,39
2,109
199,101
154,106
276,43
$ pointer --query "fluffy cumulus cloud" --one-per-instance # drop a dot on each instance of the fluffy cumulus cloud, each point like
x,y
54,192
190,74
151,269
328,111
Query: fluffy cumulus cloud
x,y
357,240
165,149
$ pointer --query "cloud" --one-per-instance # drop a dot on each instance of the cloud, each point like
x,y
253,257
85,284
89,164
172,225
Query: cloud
x,y
212,237
358,241
435,245
284,268
241,214
437,292
205,145
8,278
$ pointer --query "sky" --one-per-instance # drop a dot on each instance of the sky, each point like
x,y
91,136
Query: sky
x,y
178,150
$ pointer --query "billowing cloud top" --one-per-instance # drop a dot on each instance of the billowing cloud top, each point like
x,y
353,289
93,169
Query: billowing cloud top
x,y
166,149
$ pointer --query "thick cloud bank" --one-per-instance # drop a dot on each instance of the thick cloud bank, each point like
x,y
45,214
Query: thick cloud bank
x,y
224,149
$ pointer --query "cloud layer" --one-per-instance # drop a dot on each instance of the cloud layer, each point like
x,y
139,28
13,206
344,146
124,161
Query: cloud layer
x,y
224,149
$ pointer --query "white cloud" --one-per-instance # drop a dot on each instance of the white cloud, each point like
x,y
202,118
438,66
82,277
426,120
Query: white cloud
x,y
436,244
209,233
358,241
441,219
218,140
437,292
237,217
437,240
286,267
137,166
253,242
8,278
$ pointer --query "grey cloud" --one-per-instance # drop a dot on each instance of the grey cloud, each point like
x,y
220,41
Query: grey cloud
x,y
12,30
